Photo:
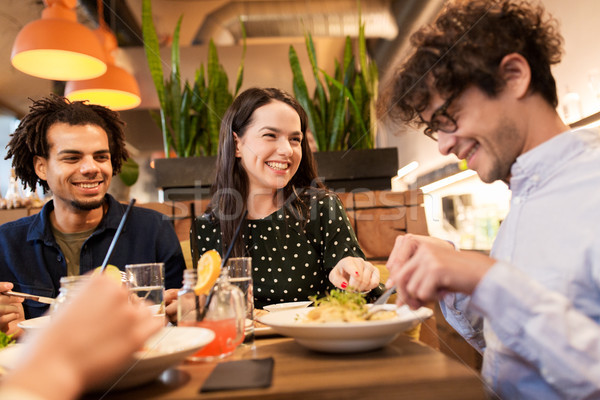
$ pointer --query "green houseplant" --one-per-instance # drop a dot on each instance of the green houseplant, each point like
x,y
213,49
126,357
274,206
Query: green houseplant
x,y
190,113
342,118
341,111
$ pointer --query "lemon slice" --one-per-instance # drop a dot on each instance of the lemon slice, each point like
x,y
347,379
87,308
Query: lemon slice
x,y
110,271
209,269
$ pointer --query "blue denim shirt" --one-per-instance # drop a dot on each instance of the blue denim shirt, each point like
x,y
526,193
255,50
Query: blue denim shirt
x,y
31,259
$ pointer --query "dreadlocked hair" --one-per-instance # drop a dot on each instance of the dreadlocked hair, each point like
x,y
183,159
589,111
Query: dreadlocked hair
x,y
30,137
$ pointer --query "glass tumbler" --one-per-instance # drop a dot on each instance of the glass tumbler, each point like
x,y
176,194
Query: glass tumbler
x,y
240,275
148,283
69,287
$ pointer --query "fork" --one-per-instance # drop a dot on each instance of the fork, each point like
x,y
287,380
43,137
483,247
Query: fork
x,y
379,304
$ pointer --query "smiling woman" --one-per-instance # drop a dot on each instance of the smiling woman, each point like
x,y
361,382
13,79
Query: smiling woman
x,y
270,152
297,233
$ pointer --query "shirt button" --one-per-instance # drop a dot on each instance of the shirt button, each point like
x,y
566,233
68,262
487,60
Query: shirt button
x,y
517,200
535,178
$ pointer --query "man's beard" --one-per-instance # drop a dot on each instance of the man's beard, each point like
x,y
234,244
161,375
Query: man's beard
x,y
87,206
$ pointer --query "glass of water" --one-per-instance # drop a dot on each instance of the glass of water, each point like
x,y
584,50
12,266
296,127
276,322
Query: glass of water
x,y
240,275
147,282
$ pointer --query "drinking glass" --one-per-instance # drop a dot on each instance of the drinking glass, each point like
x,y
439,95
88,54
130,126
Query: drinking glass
x,y
69,287
147,282
240,274
224,315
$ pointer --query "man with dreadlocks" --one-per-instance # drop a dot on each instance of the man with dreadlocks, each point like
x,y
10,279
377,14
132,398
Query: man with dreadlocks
x,y
73,149
480,82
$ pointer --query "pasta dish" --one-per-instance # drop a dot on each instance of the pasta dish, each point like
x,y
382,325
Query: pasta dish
x,y
344,306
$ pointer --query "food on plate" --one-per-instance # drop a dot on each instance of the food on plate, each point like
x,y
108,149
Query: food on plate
x,y
344,306
6,340
209,269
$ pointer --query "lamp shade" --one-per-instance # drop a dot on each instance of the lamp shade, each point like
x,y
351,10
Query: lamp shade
x,y
57,47
117,89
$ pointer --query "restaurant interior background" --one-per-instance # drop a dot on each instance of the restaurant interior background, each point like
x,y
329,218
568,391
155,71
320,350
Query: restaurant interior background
x,y
466,211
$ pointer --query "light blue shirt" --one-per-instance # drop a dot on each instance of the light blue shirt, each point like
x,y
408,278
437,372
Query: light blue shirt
x,y
541,301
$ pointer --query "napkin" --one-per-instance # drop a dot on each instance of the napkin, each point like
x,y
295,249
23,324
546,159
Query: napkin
x,y
241,374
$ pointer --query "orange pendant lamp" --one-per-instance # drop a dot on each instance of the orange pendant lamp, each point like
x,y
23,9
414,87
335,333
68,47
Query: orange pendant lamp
x,y
117,89
57,47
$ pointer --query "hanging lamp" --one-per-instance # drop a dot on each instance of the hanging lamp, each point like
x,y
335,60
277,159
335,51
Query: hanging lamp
x,y
117,89
57,47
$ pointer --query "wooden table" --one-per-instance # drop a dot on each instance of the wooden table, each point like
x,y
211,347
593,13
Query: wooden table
x,y
401,370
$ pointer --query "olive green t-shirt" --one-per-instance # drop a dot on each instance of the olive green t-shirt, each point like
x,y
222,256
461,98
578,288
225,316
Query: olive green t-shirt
x,y
70,244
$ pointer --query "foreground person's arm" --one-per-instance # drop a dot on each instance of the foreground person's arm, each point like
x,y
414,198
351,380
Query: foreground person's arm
x,y
85,343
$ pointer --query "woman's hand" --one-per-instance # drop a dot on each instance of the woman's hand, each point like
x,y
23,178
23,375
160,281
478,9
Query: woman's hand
x,y
356,273
11,311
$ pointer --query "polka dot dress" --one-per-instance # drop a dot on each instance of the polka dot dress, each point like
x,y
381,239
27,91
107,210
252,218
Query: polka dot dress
x,y
291,258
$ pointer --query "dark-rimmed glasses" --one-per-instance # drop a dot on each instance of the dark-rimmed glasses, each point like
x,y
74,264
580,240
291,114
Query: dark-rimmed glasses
x,y
440,121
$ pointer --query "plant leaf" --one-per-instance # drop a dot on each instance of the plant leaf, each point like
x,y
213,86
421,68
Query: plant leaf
x,y
319,90
152,50
130,171
349,96
240,74
301,93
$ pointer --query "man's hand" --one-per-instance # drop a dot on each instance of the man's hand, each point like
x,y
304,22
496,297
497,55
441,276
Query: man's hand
x,y
171,305
11,311
424,268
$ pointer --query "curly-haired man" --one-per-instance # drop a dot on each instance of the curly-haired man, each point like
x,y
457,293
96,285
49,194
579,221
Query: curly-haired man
x,y
479,81
74,149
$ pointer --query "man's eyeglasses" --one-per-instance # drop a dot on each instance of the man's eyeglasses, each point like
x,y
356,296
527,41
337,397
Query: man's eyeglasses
x,y
440,121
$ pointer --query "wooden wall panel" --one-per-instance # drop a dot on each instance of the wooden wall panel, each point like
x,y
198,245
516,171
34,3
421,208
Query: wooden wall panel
x,y
378,217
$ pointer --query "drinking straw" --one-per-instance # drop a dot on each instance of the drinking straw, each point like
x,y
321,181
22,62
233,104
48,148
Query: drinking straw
x,y
117,234
223,262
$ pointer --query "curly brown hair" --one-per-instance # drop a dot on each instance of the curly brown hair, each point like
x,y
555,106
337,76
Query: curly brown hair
x,y
464,47
30,137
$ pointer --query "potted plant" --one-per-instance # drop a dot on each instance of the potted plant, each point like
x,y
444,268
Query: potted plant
x,y
190,113
342,119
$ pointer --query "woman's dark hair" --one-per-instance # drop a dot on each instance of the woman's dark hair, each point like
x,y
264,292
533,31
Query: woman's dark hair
x,y
230,190
464,47
30,137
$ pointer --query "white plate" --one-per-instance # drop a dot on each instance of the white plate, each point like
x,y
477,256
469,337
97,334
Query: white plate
x,y
344,337
34,323
263,331
167,348
40,322
287,306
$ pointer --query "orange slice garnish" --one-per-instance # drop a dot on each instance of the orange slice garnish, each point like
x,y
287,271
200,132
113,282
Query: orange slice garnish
x,y
111,271
209,269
